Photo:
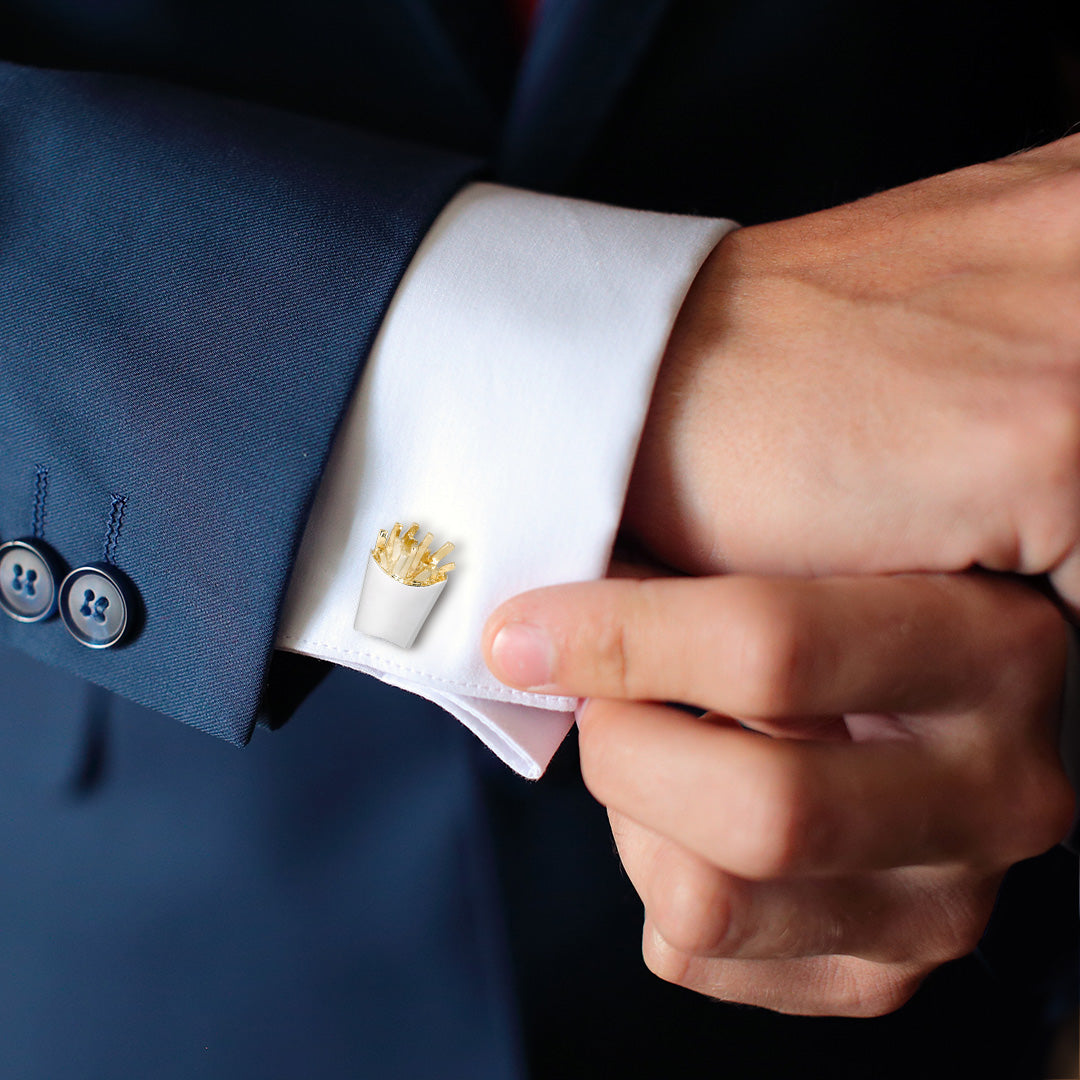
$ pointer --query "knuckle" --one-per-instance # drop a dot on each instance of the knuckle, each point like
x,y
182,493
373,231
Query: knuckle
x,y
1061,815
860,988
1030,658
693,913
621,641
1047,808
1047,634
878,994
776,655
963,937
1037,808
664,961
1039,802
958,923
782,830
609,651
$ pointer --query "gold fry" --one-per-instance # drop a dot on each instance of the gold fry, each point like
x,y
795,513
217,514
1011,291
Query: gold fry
x,y
442,552
410,560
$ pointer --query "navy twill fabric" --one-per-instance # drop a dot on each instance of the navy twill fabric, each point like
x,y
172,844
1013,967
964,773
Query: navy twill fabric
x,y
190,287
317,906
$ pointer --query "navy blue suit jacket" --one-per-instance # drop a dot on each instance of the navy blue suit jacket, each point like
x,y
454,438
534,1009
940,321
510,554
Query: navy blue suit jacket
x,y
205,208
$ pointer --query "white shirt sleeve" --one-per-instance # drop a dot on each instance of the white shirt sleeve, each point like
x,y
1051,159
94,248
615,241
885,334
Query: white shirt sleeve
x,y
501,409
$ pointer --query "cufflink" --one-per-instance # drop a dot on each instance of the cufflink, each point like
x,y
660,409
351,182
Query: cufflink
x,y
29,573
401,584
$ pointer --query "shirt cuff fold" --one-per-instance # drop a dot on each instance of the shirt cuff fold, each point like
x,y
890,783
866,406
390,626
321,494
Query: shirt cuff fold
x,y
500,409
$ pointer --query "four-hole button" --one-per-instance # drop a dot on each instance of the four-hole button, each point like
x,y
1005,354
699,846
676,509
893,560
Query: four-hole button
x,y
94,605
29,572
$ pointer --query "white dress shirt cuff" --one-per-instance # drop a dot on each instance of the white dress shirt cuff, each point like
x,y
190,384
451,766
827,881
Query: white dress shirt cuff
x,y
501,409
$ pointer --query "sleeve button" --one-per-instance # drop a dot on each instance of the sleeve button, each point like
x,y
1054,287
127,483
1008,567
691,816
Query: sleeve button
x,y
95,605
29,571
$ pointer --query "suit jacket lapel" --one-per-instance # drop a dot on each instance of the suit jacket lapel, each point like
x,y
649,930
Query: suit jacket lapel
x,y
581,56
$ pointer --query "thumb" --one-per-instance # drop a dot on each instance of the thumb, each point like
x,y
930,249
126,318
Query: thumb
x,y
773,647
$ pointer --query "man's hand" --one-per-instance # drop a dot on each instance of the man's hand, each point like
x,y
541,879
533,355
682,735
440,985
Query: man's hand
x,y
892,385
829,868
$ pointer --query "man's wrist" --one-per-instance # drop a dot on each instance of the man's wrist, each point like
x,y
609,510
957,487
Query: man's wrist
x,y
658,514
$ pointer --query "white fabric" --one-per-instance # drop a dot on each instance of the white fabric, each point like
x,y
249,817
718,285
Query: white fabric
x,y
501,409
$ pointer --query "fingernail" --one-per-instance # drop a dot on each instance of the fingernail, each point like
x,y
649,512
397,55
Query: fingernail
x,y
522,655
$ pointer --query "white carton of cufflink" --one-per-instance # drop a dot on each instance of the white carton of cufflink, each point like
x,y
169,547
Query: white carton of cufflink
x,y
391,610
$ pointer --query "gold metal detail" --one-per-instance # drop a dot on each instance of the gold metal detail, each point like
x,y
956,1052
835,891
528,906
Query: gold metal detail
x,y
408,560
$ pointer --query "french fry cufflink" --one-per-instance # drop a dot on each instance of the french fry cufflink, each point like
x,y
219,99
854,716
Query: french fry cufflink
x,y
401,584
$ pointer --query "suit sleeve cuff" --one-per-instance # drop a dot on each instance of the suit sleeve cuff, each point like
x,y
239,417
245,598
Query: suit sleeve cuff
x,y
501,409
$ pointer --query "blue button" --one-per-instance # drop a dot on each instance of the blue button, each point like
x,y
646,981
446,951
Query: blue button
x,y
29,571
96,605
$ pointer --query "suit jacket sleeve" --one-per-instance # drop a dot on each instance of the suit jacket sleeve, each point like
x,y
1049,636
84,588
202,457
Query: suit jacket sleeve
x,y
188,290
